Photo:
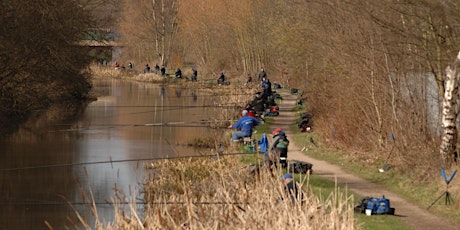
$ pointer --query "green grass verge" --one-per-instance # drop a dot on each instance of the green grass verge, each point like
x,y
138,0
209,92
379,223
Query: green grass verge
x,y
422,194
263,128
406,184
323,188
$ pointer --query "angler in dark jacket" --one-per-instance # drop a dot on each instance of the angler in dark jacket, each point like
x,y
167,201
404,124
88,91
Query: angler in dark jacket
x,y
279,147
178,73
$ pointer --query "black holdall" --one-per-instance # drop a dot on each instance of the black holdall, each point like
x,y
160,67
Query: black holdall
x,y
301,167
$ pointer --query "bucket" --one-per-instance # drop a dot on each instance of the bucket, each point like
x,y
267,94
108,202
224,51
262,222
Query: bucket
x,y
368,212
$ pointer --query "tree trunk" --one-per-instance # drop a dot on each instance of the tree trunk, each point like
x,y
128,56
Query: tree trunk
x,y
449,112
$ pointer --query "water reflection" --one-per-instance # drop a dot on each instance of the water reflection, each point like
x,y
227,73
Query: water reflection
x,y
178,93
113,128
194,96
162,91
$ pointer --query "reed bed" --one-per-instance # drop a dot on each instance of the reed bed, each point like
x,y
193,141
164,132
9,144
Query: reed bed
x,y
221,193
126,74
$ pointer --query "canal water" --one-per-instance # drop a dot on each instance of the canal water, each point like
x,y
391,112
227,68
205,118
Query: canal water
x,y
49,172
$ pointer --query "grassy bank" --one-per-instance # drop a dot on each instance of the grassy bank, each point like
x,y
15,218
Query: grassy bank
x,y
323,188
422,194
420,191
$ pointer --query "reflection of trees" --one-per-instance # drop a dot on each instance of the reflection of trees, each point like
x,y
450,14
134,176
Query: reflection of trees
x,y
158,104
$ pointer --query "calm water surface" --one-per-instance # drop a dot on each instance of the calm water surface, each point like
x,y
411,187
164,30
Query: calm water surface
x,y
41,169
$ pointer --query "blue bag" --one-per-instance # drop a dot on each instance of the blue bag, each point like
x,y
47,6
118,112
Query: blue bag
x,y
372,204
383,206
380,206
263,143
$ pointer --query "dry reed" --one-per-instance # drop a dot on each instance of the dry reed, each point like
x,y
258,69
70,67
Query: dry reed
x,y
221,194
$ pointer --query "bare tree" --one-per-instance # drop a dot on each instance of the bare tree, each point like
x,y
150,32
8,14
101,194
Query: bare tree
x,y
148,29
40,60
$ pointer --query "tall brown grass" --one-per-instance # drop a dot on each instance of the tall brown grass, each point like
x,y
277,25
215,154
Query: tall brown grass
x,y
220,193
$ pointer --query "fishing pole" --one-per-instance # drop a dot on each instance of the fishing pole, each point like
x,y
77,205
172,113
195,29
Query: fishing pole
x,y
211,95
121,202
166,106
169,108
119,161
193,124
177,124
170,123
180,108
144,125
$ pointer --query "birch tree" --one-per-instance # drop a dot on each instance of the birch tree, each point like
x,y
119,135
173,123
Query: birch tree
x,y
449,112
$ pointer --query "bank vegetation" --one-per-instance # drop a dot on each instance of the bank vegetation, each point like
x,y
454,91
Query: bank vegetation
x,y
41,60
369,70
221,193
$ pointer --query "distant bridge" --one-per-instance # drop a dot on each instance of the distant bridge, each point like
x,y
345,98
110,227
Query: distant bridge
x,y
102,50
93,43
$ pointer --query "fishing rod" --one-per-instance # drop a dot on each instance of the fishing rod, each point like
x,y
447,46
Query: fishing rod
x,y
173,126
167,106
164,109
171,123
121,202
144,125
119,161
210,95
178,124
175,109
170,108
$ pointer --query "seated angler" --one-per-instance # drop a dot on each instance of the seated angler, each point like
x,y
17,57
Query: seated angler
x,y
194,76
147,68
291,190
163,71
244,126
221,79
178,73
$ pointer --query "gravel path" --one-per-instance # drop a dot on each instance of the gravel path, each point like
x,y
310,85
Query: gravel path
x,y
417,217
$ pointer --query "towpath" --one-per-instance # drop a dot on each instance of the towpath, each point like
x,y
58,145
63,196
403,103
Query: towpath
x,y
416,216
